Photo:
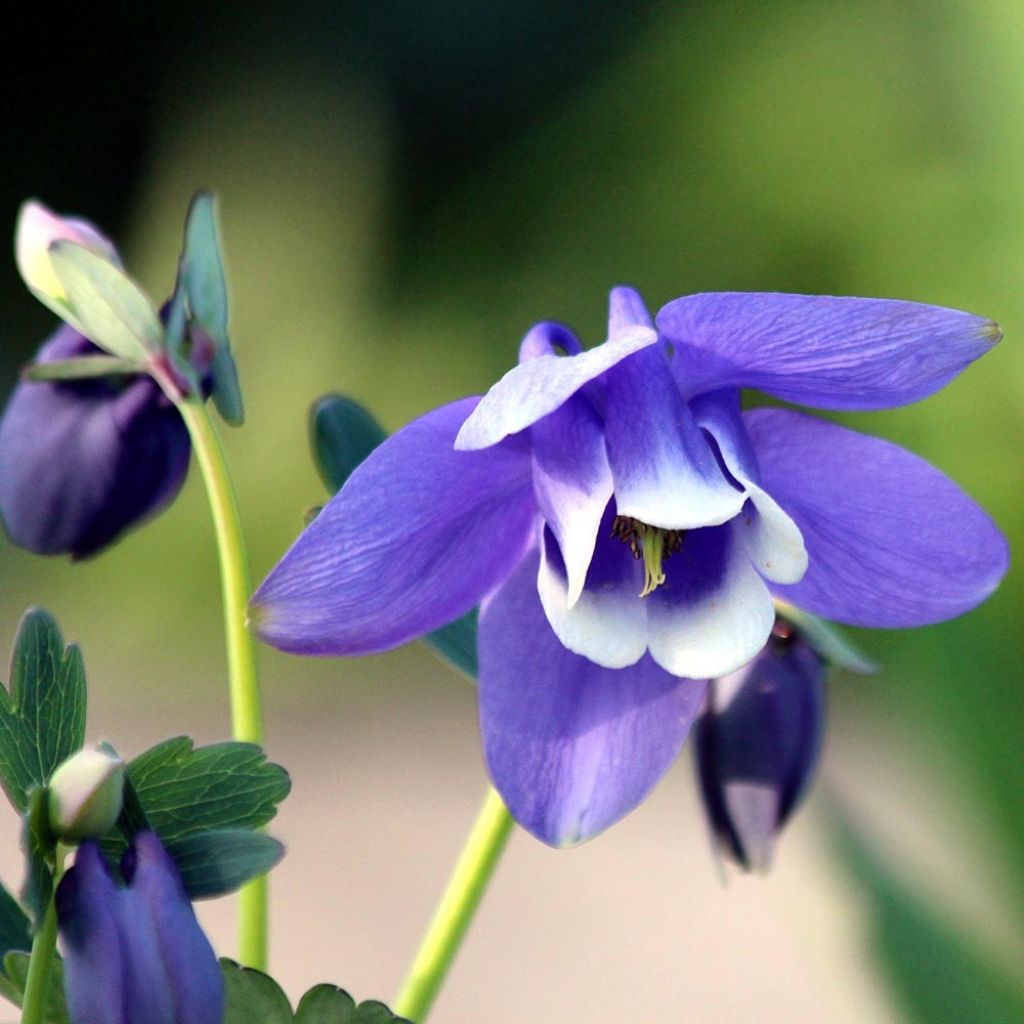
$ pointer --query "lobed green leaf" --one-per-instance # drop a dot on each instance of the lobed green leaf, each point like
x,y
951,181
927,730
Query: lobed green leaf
x,y
254,996
219,861
14,925
15,975
42,718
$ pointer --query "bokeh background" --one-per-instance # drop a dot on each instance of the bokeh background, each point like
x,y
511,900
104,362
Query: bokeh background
x,y
405,188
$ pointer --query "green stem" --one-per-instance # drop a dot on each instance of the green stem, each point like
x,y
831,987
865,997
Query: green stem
x,y
246,716
452,918
44,944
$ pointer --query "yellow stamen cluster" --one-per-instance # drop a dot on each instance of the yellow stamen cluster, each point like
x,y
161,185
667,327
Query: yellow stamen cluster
x,y
651,543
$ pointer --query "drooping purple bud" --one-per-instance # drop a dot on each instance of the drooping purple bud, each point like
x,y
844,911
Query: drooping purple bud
x,y
81,461
757,744
135,954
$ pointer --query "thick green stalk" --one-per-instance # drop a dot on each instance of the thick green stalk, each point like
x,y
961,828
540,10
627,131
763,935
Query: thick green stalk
x,y
455,912
246,715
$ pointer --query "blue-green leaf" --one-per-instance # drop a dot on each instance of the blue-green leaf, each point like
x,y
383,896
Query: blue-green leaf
x,y
252,997
341,434
456,643
106,304
42,718
204,282
14,925
15,975
219,861
185,789
827,639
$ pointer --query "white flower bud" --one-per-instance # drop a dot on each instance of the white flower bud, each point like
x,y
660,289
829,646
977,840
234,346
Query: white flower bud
x,y
85,795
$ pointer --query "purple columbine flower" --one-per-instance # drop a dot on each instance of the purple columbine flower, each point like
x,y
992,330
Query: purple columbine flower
x,y
81,461
757,744
624,527
135,954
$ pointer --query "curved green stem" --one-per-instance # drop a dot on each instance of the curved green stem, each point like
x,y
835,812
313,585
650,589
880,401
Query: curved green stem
x,y
44,945
246,715
454,913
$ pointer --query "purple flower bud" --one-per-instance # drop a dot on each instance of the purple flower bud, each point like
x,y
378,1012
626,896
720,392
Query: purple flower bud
x,y
135,954
757,745
81,461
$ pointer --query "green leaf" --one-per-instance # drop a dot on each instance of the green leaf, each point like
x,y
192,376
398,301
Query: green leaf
x,y
14,924
373,1012
185,789
252,997
940,973
203,803
38,845
325,1004
341,434
81,369
12,985
204,281
217,862
42,718
227,393
107,306
456,643
827,639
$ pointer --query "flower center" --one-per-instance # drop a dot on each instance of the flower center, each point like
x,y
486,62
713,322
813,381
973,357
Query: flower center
x,y
651,543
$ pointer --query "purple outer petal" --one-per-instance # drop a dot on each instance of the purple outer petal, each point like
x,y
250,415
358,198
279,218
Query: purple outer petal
x,y
823,351
540,385
83,461
891,540
88,914
194,981
545,339
416,537
571,747
626,310
665,470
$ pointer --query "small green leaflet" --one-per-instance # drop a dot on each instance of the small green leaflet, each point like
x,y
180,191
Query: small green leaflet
x,y
342,433
81,369
184,789
42,718
254,996
12,985
203,279
205,804
827,639
456,643
109,308
14,925
219,861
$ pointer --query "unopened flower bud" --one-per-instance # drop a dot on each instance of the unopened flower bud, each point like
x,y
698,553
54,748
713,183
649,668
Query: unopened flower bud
x,y
758,743
85,795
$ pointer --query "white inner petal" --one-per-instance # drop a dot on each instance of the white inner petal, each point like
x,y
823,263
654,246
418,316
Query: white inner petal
x,y
605,625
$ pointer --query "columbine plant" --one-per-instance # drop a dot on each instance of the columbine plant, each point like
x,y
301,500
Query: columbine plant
x,y
605,539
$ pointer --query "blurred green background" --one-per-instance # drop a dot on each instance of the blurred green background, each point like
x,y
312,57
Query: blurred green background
x,y
404,189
